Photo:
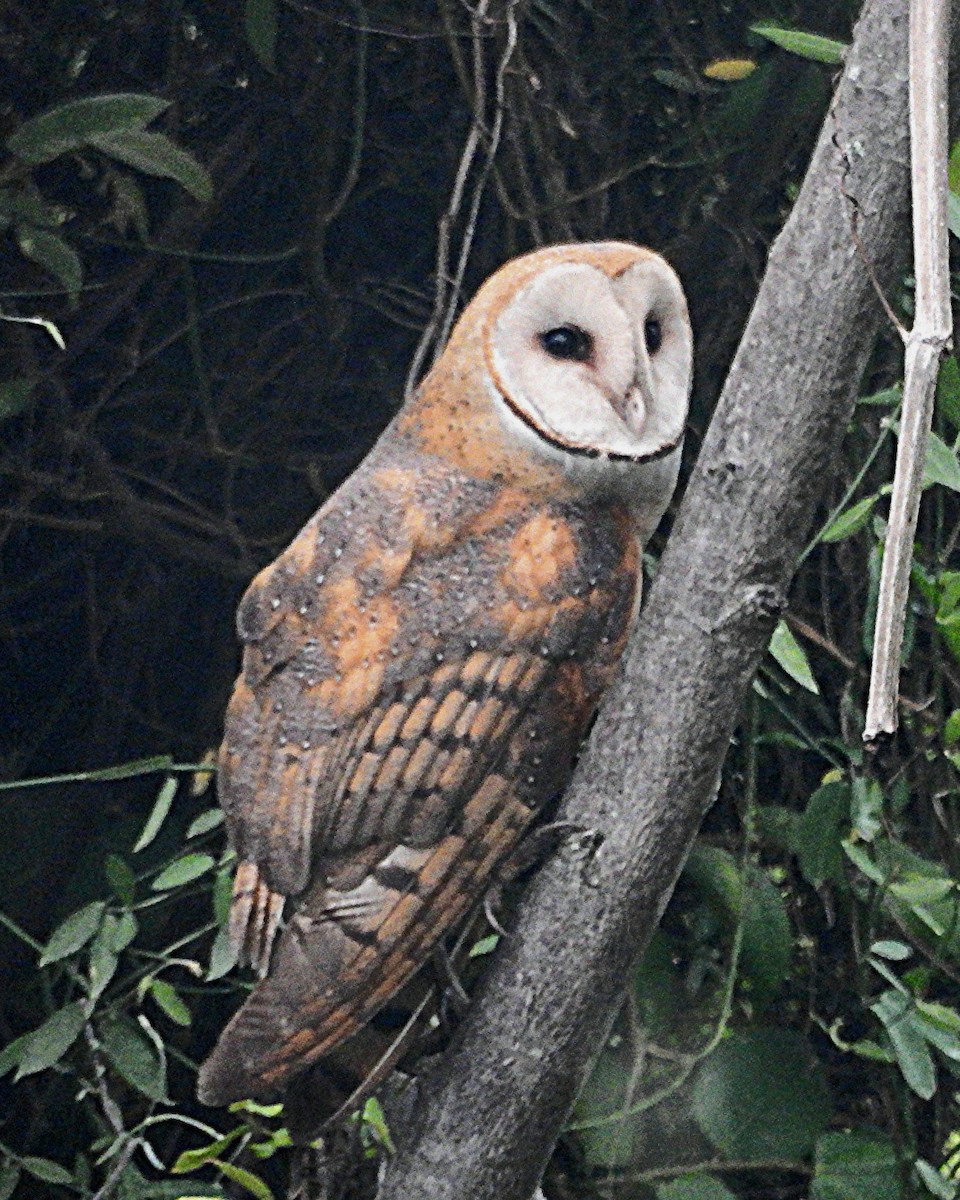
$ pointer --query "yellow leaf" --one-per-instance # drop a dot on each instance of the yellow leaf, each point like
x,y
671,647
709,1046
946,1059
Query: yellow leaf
x,y
730,70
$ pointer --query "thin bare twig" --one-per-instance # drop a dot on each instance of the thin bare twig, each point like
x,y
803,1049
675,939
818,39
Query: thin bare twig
x,y
447,294
925,345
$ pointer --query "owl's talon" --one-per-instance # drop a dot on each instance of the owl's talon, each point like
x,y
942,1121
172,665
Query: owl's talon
x,y
539,845
454,991
492,900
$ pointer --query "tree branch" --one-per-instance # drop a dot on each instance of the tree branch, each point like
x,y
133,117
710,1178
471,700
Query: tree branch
x,y
926,343
487,1122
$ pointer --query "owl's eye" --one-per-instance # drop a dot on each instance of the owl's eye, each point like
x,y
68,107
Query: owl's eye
x,y
652,334
567,341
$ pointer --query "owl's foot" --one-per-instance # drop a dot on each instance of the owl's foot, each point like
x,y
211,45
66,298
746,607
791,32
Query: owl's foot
x,y
539,845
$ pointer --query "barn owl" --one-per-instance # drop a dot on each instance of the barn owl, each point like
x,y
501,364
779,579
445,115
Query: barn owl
x,y
422,661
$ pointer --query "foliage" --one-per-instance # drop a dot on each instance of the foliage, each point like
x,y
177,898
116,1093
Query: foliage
x,y
222,223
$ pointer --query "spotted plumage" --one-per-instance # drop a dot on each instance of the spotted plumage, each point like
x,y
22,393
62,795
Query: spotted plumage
x,y
421,662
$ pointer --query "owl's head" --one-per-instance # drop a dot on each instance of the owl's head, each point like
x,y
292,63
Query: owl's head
x,y
576,359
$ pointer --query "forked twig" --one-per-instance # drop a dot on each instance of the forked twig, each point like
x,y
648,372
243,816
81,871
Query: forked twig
x,y
925,345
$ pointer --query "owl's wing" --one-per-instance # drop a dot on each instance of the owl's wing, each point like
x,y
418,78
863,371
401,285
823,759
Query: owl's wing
x,y
384,797
371,800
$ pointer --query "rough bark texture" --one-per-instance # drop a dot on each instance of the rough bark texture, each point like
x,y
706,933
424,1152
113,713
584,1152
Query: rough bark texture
x,y
486,1124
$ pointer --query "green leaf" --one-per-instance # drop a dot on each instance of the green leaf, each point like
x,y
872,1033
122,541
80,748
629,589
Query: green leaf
x,y
820,832
261,24
156,154
54,254
948,390
925,895
223,956
767,948
190,1160
895,1010
607,1139
72,125
15,396
694,1187
9,1178
776,825
136,1187
103,957
862,860
205,822
169,1000
222,896
141,766
120,876
46,1169
134,1057
941,465
859,1165
253,1183
767,943
947,594
851,521
675,80
13,1051
184,870
49,1043
866,806
953,214
887,398
940,1014
807,45
73,933
895,951
936,1184
124,932
376,1119
922,889
761,1095
484,945
944,1038
256,1107
873,1051
280,1139
951,729
792,658
158,814
129,770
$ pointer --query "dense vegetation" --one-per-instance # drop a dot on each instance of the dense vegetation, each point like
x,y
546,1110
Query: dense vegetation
x,y
224,227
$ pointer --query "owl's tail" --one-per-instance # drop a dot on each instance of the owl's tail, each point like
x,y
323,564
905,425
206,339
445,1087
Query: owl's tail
x,y
344,954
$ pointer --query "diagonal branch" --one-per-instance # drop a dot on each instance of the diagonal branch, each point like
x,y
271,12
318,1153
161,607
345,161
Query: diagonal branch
x,y
487,1122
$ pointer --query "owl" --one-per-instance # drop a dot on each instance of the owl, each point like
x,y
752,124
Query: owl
x,y
421,663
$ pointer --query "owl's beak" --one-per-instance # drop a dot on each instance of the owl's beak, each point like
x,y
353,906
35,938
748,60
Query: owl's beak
x,y
640,396
632,409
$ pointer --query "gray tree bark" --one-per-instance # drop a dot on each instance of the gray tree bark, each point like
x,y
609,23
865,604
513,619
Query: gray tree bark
x,y
487,1122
